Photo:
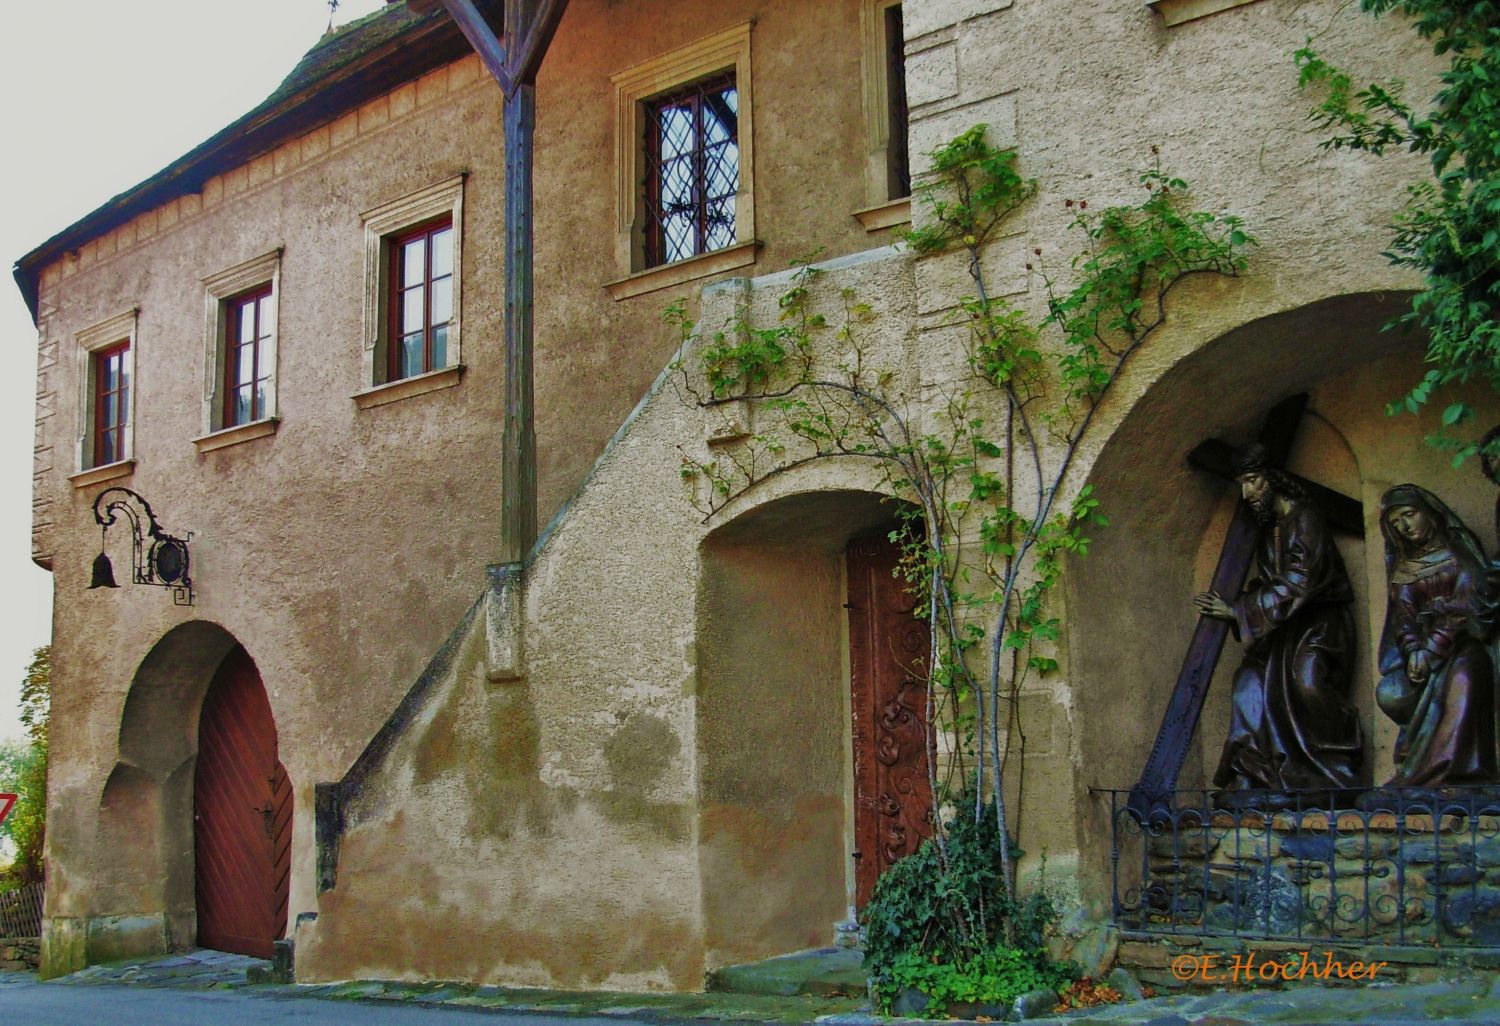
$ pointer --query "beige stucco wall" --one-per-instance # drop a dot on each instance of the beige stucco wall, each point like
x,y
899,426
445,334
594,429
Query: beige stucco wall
x,y
343,549
324,549
681,723
620,816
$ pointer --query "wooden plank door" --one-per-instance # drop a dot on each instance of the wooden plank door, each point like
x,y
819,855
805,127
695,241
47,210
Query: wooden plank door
x,y
242,808
888,648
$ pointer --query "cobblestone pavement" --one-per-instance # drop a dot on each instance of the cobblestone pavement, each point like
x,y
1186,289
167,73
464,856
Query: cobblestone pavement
x,y
1471,998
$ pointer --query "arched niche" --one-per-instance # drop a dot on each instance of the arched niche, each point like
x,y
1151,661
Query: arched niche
x,y
773,722
1130,617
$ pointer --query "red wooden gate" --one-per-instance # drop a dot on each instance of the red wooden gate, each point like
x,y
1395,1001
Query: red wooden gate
x,y
887,658
242,805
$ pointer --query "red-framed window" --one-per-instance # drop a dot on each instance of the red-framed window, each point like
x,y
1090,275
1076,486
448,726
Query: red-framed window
x,y
250,320
692,170
111,402
421,299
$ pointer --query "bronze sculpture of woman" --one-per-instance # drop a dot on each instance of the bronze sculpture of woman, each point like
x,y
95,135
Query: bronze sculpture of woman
x,y
1437,668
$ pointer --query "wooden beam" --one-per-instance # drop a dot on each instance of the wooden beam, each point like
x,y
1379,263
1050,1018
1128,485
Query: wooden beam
x,y
529,26
518,469
526,60
484,38
1180,721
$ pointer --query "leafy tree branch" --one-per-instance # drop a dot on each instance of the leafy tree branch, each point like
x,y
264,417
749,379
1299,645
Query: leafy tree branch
x,y
1449,229
981,463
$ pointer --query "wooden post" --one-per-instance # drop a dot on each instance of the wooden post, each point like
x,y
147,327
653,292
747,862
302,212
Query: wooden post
x,y
518,474
529,26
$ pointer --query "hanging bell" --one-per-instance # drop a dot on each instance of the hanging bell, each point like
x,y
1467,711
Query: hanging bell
x,y
104,574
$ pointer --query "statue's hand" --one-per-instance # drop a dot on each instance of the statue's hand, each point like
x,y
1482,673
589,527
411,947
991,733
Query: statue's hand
x,y
1211,604
1419,666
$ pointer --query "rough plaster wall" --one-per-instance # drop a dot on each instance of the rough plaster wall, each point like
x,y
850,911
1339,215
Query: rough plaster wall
x,y
286,527
614,790
320,548
809,141
771,781
464,864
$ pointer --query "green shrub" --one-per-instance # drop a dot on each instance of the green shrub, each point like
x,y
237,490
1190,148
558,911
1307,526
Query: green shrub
x,y
940,920
997,977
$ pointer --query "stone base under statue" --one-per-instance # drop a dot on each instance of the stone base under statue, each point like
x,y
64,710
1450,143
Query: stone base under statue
x,y
1347,877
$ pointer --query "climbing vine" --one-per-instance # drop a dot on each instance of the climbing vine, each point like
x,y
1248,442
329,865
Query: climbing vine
x,y
979,463
1449,230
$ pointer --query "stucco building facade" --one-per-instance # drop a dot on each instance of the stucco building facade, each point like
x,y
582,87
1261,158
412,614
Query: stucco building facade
x,y
627,761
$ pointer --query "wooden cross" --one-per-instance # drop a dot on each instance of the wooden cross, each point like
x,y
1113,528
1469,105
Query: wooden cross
x,y
1151,794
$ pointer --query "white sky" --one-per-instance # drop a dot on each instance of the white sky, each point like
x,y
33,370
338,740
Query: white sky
x,y
100,94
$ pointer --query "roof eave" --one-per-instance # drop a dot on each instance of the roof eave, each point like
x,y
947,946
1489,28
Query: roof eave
x,y
429,45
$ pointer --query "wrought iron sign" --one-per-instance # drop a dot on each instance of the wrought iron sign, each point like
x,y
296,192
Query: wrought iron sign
x,y
157,558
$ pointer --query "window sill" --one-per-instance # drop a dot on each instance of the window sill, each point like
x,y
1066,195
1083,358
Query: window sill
x,y
235,435
741,254
98,475
407,387
1175,12
885,215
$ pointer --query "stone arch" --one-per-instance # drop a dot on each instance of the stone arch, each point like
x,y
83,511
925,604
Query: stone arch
x,y
773,721
1130,617
146,806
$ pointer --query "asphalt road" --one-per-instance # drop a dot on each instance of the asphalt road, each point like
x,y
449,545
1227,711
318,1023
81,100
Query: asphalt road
x,y
25,1002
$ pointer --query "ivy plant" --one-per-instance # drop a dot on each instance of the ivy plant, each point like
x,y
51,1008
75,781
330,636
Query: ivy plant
x,y
981,469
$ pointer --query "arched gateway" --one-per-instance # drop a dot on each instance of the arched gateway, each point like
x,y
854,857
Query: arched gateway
x,y
199,805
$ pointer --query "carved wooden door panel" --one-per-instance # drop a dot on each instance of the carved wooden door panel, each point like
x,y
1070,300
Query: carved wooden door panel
x,y
888,649
242,810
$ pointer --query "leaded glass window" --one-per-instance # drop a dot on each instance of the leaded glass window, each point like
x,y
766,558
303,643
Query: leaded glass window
x,y
692,170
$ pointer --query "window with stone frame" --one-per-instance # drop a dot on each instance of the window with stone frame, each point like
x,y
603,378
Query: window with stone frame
x,y
106,355
887,161
413,294
684,164
241,330
692,170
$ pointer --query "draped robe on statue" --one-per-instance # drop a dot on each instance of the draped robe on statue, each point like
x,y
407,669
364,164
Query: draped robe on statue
x,y
1443,601
1291,723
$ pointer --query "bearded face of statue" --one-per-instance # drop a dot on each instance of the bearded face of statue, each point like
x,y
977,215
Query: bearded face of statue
x,y
1255,488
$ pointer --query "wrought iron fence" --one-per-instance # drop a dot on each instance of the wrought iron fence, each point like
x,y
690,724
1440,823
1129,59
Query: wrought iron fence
x,y
1402,866
21,912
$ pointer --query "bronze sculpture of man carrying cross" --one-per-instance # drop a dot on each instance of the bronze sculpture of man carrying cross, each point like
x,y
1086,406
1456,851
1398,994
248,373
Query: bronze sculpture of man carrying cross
x,y
1292,726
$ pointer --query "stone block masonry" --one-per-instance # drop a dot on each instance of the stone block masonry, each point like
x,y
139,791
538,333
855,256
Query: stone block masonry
x,y
1348,878
20,953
